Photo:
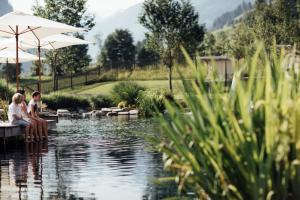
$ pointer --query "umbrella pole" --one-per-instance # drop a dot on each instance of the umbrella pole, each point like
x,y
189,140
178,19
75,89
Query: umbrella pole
x,y
40,68
7,73
17,57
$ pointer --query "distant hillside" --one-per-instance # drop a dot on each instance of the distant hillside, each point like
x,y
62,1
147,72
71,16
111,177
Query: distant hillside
x,y
228,18
5,7
208,10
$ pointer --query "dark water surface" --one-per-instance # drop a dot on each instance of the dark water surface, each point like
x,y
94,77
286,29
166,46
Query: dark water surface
x,y
85,159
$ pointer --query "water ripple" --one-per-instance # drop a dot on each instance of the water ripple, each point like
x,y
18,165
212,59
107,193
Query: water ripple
x,y
88,159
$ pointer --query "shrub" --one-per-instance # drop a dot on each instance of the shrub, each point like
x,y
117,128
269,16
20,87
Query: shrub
x,y
101,101
6,93
151,101
244,144
126,91
56,101
4,106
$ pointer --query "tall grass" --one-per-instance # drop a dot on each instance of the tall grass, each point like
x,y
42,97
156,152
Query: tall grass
x,y
241,144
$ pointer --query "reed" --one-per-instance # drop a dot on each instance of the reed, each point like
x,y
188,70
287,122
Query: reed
x,y
238,144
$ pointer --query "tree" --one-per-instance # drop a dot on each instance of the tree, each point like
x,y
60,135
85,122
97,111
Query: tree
x,y
242,42
10,71
208,46
146,56
71,12
276,19
171,24
222,43
118,50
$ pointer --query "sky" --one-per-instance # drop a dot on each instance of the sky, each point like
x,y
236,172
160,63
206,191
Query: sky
x,y
101,8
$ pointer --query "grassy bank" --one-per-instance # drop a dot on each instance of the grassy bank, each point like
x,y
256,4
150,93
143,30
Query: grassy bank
x,y
106,87
149,76
152,73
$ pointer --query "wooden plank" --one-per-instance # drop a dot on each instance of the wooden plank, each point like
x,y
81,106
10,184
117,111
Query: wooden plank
x,y
8,130
49,116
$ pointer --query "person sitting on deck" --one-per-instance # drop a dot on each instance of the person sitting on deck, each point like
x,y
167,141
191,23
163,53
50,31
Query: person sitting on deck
x,y
34,112
37,125
15,116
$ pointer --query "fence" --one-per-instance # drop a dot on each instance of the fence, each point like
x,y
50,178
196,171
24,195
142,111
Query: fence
x,y
66,81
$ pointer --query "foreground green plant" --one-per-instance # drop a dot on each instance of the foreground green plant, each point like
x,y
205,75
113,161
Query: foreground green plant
x,y
244,144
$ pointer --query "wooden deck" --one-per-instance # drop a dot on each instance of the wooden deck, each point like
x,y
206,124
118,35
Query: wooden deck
x,y
8,130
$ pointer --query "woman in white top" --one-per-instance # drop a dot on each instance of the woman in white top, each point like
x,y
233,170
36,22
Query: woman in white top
x,y
15,117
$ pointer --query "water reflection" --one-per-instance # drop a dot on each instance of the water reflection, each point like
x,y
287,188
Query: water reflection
x,y
85,159
21,167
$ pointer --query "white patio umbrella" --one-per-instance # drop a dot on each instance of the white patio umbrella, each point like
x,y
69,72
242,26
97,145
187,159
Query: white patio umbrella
x,y
49,43
22,25
9,56
10,44
54,42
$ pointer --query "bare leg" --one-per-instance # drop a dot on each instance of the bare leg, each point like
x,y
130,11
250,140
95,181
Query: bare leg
x,y
35,132
26,134
31,131
36,129
40,128
45,128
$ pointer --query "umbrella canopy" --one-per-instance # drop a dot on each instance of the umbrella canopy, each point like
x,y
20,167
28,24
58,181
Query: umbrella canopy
x,y
10,44
30,26
10,56
54,42
22,25
49,43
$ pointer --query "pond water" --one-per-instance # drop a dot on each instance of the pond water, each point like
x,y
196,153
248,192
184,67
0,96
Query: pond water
x,y
86,159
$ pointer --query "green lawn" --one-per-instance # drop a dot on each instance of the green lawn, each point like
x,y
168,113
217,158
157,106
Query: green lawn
x,y
106,87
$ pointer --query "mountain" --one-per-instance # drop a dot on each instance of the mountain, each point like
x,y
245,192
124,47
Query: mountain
x,y
230,17
5,7
208,10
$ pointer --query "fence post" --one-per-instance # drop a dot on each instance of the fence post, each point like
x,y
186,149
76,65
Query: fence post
x,y
86,77
54,71
71,79
54,78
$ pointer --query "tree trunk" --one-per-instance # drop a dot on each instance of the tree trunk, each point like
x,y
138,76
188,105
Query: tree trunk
x,y
170,79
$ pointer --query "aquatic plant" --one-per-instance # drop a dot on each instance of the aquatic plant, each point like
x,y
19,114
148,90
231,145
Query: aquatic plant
x,y
101,101
151,101
126,91
56,100
241,144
